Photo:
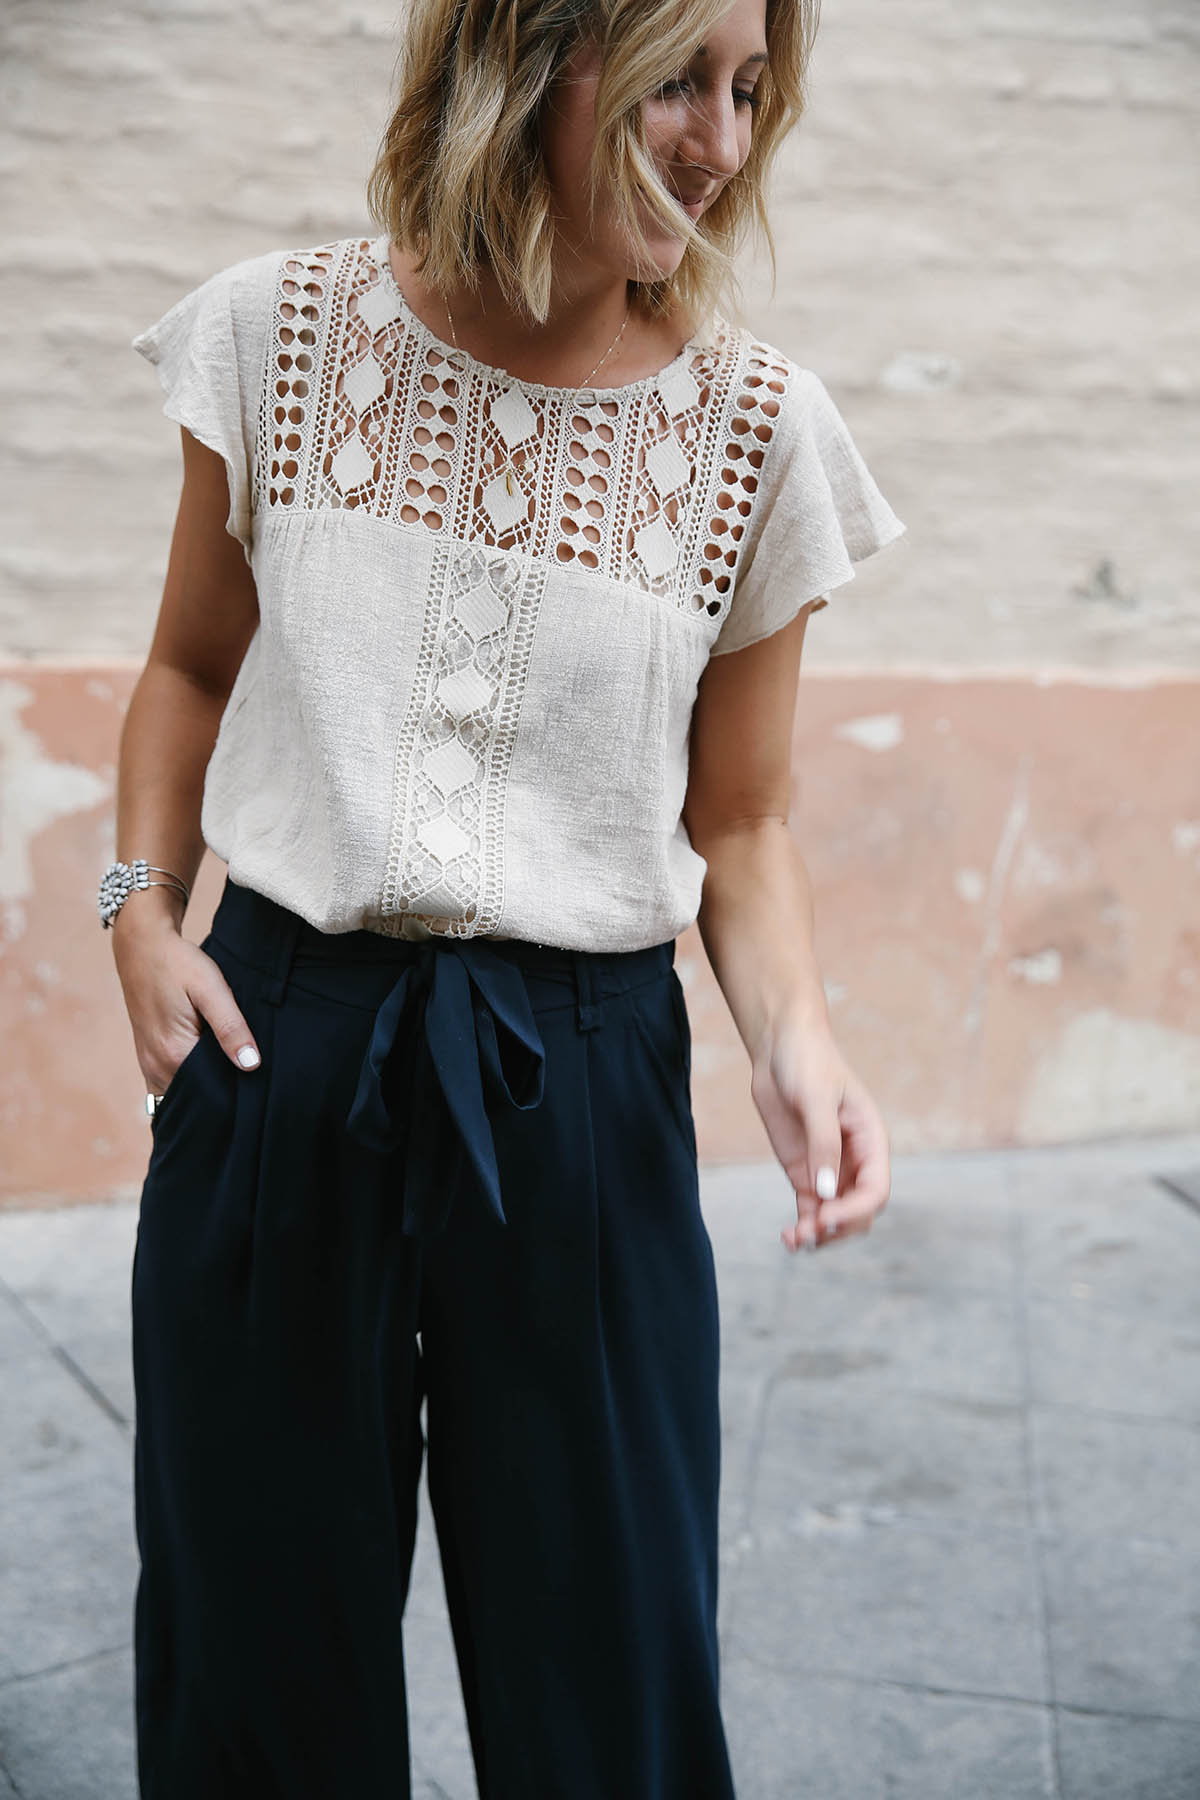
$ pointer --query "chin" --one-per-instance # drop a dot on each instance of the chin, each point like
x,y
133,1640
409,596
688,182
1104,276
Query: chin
x,y
666,255
666,252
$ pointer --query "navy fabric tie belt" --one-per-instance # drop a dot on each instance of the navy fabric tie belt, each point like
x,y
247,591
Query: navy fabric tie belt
x,y
456,1032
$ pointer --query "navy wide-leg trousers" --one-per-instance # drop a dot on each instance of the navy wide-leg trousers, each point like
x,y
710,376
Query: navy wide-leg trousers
x,y
464,1178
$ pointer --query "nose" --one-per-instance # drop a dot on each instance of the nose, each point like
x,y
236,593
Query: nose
x,y
711,141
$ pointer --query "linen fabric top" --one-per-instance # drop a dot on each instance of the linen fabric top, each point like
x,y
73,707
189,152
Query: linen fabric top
x,y
465,709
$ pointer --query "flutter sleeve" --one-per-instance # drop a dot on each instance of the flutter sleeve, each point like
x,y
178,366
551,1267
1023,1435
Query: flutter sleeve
x,y
817,513
209,350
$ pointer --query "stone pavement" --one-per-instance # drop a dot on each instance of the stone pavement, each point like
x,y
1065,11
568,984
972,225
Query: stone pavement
x,y
961,1498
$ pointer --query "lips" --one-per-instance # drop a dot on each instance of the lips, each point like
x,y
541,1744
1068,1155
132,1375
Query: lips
x,y
694,205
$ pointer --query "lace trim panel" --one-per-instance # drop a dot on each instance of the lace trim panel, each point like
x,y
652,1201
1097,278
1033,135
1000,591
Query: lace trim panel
x,y
445,862
651,485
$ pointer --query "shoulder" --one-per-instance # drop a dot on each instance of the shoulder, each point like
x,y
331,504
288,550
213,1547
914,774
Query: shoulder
x,y
299,274
242,284
318,265
301,280
765,401
785,402
233,303
246,300
757,374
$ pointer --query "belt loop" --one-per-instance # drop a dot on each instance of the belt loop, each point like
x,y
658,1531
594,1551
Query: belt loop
x,y
587,1012
287,928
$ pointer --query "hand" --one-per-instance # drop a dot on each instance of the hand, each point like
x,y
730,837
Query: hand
x,y
171,989
823,1123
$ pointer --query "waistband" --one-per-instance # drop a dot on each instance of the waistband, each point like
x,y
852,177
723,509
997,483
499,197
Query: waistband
x,y
455,1035
275,940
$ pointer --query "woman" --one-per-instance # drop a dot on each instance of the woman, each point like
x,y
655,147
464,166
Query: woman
x,y
477,663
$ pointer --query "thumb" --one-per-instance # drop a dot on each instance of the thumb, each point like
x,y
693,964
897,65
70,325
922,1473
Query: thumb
x,y
825,1170
821,1179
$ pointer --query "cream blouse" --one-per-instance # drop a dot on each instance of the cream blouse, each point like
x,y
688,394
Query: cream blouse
x,y
465,709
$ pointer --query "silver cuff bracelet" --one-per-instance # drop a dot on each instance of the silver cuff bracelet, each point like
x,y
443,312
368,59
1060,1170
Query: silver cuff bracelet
x,y
122,879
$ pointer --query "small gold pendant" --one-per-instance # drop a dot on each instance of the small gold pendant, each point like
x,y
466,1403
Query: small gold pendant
x,y
508,475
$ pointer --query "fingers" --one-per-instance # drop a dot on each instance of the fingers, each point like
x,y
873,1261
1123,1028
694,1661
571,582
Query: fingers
x,y
867,1161
813,1225
847,1179
825,1181
229,1027
210,1002
828,1135
812,1230
803,1234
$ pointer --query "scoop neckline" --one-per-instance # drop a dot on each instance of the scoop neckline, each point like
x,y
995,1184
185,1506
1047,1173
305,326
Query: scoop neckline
x,y
377,251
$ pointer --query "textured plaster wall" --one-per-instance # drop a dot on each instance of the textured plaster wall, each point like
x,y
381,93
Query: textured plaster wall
x,y
988,249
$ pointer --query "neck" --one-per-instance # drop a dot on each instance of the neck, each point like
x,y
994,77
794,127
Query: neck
x,y
583,320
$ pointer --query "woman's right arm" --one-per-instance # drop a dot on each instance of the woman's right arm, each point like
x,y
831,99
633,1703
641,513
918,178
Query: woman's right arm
x,y
208,616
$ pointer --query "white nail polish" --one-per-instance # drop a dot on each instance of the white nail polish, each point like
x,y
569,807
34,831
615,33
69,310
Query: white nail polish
x,y
248,1057
826,1183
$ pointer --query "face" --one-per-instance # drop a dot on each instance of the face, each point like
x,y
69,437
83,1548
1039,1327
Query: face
x,y
697,129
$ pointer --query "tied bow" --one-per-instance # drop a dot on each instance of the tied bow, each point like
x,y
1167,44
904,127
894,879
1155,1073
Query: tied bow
x,y
456,1030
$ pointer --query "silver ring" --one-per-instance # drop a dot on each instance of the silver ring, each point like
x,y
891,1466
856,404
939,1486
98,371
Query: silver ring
x,y
153,1101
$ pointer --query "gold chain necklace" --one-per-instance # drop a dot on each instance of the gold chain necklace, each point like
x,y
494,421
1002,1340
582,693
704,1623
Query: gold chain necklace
x,y
507,471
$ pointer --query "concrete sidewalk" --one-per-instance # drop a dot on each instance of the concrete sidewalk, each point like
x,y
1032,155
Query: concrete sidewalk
x,y
961,1496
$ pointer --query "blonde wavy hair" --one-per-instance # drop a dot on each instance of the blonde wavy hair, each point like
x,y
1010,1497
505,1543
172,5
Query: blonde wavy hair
x,y
459,178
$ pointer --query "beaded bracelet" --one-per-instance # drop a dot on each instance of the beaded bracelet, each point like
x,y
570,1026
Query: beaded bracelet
x,y
122,879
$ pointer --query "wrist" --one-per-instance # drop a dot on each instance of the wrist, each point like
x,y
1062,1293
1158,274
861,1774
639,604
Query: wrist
x,y
145,911
801,1013
123,881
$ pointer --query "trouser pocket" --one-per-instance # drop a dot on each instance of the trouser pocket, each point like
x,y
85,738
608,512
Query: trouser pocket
x,y
659,1018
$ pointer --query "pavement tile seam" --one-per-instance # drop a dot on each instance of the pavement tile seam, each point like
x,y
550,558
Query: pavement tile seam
x,y
1100,1311
1039,1513
1176,1151
904,1286
1085,1307
25,1676
46,1338
433,1788
757,1438
23,1313
736,1647
1180,1189
1114,1416
28,1315
910,1285
46,1490
1120,1716
804,1404
80,1377
854,1516
773,1280
839,1523
94,1393
871,1384
1117,1540
835,1523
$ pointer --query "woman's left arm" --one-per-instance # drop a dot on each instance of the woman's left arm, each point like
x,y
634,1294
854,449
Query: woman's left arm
x,y
756,924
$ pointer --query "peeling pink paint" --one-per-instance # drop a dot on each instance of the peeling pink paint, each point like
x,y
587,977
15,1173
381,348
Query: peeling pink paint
x,y
1017,829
